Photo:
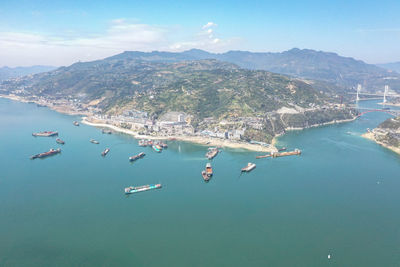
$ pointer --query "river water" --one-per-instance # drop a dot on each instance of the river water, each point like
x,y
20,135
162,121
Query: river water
x,y
339,198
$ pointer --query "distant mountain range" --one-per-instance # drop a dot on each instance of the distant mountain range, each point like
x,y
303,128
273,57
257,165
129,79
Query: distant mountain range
x,y
8,73
394,66
328,67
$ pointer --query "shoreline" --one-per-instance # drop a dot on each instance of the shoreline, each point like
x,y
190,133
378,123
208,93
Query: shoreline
x,y
371,137
60,109
205,141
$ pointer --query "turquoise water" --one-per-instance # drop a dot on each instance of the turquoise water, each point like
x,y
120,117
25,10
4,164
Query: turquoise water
x,y
340,197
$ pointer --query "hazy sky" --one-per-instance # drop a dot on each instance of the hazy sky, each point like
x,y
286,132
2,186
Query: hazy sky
x,y
62,32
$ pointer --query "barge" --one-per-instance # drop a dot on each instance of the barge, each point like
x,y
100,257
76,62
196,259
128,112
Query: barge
x,y
138,156
137,189
250,166
46,133
212,153
46,154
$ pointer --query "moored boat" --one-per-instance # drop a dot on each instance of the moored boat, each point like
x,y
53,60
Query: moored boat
x,y
138,156
250,166
157,148
46,133
59,141
205,176
106,131
94,141
137,189
282,149
212,153
105,152
209,170
46,154
76,123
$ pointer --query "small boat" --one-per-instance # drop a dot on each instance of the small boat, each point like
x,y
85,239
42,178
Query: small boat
x,y
59,141
205,176
282,149
46,154
142,143
212,153
157,148
105,152
209,170
76,123
94,141
46,134
137,189
250,166
138,156
106,131
163,145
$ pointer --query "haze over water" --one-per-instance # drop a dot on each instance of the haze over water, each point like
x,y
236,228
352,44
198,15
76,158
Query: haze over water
x,y
340,197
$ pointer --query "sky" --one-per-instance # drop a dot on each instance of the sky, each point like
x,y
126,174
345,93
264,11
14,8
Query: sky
x,y
60,33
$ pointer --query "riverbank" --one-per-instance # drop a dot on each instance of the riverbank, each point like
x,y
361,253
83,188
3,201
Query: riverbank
x,y
62,108
371,136
185,138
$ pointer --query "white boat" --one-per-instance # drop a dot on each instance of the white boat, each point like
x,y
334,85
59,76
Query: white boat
x,y
250,166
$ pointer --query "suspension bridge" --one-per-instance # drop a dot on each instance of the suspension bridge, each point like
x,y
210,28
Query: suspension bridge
x,y
385,96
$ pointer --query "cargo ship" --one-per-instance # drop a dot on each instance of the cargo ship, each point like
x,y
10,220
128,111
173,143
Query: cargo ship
x,y
45,134
212,153
94,141
157,148
250,166
138,156
137,189
76,123
59,141
46,154
209,170
105,152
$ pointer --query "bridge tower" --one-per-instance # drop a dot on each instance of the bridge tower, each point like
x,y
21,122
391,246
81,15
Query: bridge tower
x,y
358,91
384,94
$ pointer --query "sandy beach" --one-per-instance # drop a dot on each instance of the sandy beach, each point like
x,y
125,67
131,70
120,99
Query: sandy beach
x,y
193,139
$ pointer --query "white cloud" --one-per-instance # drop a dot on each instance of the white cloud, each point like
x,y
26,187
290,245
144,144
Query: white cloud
x,y
21,48
209,25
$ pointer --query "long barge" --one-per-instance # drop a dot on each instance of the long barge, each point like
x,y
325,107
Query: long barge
x,y
138,156
46,134
46,154
137,189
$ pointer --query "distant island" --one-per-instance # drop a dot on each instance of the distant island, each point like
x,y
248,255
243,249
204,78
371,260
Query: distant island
x,y
205,101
